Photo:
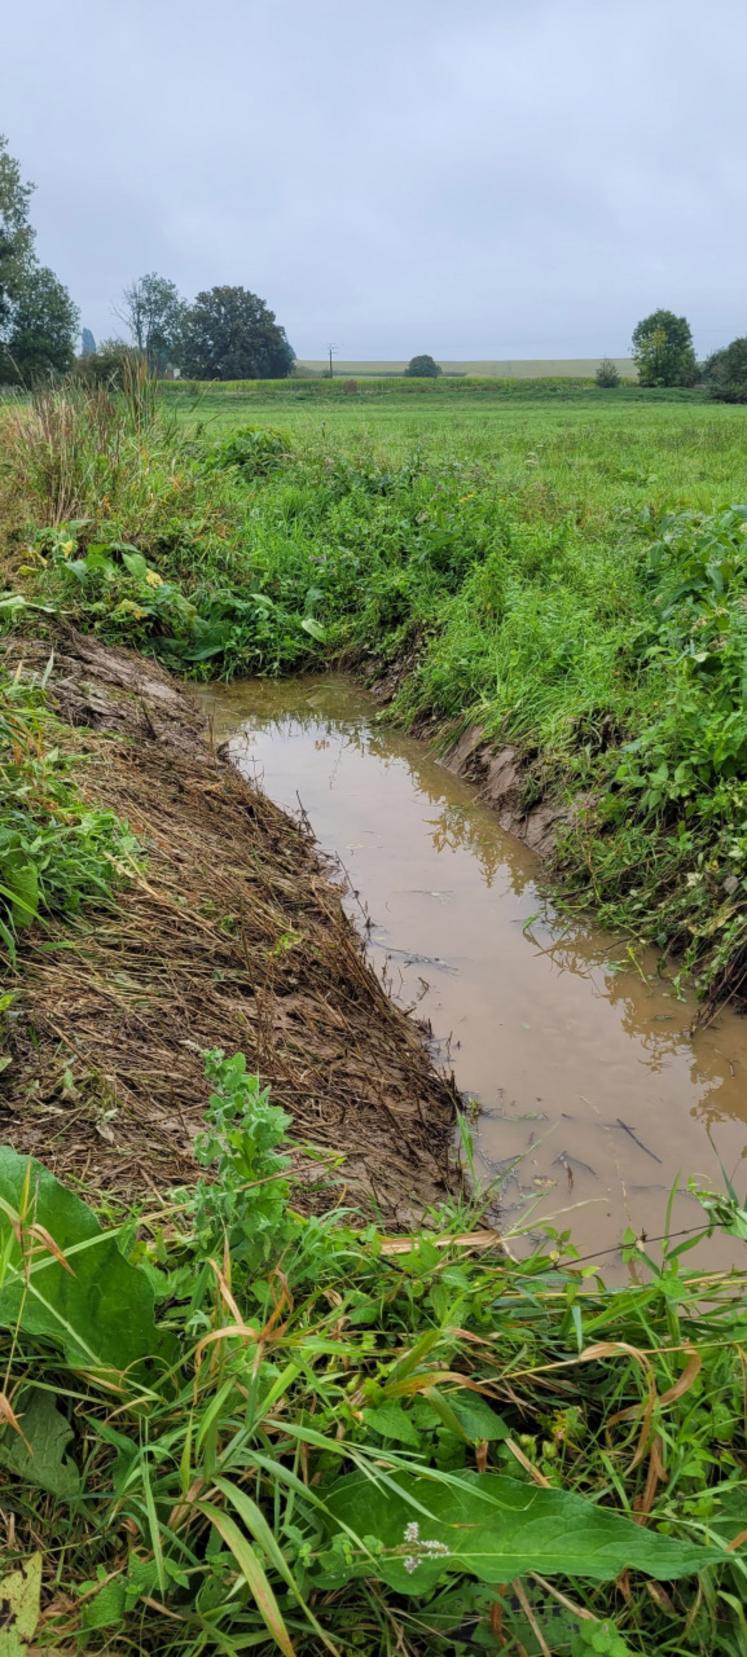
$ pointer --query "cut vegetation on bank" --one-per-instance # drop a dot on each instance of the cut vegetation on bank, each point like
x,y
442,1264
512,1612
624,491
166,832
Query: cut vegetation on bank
x,y
226,933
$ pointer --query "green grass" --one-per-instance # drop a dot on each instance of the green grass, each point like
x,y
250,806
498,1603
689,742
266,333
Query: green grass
x,y
247,1429
398,391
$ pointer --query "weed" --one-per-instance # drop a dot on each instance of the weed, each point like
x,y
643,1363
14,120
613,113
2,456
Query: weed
x,y
57,853
363,1448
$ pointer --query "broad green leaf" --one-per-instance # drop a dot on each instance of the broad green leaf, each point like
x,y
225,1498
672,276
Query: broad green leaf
x,y
106,1608
474,1415
313,627
101,1312
19,1606
391,1421
41,1459
136,564
497,1528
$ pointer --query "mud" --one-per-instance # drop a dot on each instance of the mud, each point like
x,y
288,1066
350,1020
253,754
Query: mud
x,y
498,775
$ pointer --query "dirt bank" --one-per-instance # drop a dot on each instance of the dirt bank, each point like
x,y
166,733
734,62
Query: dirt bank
x,y
230,934
499,776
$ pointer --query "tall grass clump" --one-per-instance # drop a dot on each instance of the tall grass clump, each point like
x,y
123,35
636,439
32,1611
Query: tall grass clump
x,y
235,1427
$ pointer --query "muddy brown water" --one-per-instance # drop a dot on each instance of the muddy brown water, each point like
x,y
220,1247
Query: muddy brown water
x,y
592,1094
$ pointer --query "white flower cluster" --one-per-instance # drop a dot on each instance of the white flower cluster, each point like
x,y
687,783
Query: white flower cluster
x,y
425,1547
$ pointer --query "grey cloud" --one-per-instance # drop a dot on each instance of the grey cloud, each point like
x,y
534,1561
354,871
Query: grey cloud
x,y
490,178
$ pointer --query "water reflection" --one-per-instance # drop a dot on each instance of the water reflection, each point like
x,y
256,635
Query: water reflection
x,y
583,1062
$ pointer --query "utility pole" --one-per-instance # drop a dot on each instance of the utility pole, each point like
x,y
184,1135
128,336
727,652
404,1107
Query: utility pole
x,y
331,370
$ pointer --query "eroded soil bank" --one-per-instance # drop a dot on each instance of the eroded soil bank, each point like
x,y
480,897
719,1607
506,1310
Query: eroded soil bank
x,y
228,933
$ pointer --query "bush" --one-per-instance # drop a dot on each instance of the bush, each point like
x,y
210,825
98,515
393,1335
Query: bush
x,y
606,375
255,450
725,373
108,365
423,368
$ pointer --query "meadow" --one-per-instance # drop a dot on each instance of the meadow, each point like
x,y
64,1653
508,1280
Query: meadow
x,y
231,1424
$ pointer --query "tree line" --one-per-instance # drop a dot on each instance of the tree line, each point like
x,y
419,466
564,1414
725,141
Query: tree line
x,y
229,333
226,333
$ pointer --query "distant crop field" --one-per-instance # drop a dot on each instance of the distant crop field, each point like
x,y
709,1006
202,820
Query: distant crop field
x,y
530,368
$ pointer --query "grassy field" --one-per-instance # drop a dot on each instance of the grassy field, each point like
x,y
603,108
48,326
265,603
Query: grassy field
x,y
530,368
228,1425
397,391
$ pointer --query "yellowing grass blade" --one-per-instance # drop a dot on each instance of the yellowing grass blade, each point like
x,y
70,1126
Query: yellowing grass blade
x,y
253,1574
256,1522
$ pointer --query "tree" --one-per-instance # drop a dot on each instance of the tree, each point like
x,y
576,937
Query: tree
x,y
16,234
663,350
607,375
231,335
87,343
154,312
423,368
44,325
725,373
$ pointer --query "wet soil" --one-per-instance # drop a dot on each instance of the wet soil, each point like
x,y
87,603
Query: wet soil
x,y
229,934
594,1092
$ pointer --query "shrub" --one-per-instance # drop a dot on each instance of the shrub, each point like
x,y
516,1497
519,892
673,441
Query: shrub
x,y
255,450
725,373
423,368
106,366
607,375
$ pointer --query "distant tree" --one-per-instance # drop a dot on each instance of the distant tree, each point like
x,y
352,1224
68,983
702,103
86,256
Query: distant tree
x,y
16,234
423,368
725,373
44,326
607,375
38,320
231,335
663,350
87,343
154,312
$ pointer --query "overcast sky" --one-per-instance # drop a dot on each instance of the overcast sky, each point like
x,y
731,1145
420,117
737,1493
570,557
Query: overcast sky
x,y
474,178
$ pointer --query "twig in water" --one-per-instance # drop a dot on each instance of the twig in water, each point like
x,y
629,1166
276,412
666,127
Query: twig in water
x,y
636,1140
